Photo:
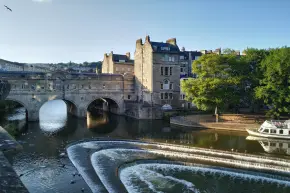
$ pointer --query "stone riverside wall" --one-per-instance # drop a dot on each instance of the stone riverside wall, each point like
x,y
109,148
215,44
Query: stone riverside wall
x,y
140,111
9,180
225,121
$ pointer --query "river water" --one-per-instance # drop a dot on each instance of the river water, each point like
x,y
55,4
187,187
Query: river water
x,y
45,165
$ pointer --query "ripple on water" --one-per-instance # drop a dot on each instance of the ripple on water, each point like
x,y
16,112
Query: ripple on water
x,y
120,165
156,177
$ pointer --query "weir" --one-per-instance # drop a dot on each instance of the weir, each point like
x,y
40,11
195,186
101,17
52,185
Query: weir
x,y
110,156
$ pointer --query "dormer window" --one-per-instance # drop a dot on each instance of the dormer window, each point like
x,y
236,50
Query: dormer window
x,y
165,48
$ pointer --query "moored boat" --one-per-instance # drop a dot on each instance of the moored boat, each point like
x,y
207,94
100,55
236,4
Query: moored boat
x,y
272,129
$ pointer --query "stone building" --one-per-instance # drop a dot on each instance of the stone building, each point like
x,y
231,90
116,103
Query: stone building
x,y
117,64
157,72
186,60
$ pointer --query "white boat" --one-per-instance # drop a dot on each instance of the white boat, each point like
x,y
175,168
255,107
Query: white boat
x,y
272,129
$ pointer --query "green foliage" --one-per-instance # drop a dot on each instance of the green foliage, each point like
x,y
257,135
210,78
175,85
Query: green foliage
x,y
256,78
274,87
216,85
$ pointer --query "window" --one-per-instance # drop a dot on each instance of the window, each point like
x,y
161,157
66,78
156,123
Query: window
x,y
165,48
181,69
162,71
181,57
166,95
161,86
170,86
272,131
266,131
171,59
90,86
166,84
281,131
22,86
82,98
166,71
129,96
170,70
104,86
280,144
82,86
161,95
170,96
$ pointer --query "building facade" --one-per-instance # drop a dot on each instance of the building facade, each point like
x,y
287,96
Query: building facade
x,y
157,72
117,64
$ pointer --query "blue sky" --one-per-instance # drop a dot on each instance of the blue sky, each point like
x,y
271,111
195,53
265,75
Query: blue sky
x,y
83,30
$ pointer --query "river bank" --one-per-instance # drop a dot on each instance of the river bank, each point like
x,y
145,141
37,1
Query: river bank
x,y
234,122
9,180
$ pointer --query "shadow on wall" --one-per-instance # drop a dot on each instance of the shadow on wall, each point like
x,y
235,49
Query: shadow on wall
x,y
4,89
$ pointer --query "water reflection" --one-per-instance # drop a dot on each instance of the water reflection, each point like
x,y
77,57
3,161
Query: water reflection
x,y
273,146
53,116
44,150
99,122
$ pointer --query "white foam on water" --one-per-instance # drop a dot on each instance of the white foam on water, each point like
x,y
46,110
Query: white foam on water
x,y
119,155
213,159
172,151
72,154
181,148
187,184
127,174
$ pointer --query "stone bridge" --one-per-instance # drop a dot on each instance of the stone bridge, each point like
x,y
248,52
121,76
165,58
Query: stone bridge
x,y
32,90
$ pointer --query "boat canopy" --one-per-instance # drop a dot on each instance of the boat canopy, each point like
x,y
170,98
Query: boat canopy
x,y
269,125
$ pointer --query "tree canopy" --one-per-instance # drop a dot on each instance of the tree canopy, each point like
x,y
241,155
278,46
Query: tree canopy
x,y
258,77
274,88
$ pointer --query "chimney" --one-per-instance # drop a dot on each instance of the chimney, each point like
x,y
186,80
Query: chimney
x,y
128,55
111,53
139,41
171,41
147,39
183,49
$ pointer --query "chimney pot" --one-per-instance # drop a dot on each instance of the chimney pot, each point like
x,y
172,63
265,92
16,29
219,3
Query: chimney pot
x,y
128,55
147,39
171,41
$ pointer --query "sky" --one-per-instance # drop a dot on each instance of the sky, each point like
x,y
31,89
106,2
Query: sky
x,y
51,31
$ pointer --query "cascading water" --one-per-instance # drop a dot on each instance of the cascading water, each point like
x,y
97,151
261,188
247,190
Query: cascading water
x,y
135,166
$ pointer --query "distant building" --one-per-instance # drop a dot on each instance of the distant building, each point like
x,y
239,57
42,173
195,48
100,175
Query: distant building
x,y
117,64
186,60
15,66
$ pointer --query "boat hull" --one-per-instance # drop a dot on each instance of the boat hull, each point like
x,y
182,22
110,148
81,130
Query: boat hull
x,y
257,134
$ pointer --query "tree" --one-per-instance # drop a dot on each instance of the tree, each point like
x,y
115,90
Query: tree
x,y
274,87
215,85
251,73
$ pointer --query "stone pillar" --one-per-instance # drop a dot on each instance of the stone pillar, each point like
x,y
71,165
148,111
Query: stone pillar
x,y
33,115
105,106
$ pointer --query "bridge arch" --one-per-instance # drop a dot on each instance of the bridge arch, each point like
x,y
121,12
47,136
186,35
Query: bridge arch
x,y
105,103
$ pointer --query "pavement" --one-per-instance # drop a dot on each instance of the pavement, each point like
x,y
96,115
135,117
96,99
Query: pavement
x,y
9,180
234,126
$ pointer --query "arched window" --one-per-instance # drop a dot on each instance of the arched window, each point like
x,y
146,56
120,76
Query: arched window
x,y
165,84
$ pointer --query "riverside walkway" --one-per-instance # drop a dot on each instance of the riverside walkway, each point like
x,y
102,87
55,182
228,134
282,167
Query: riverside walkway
x,y
9,180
